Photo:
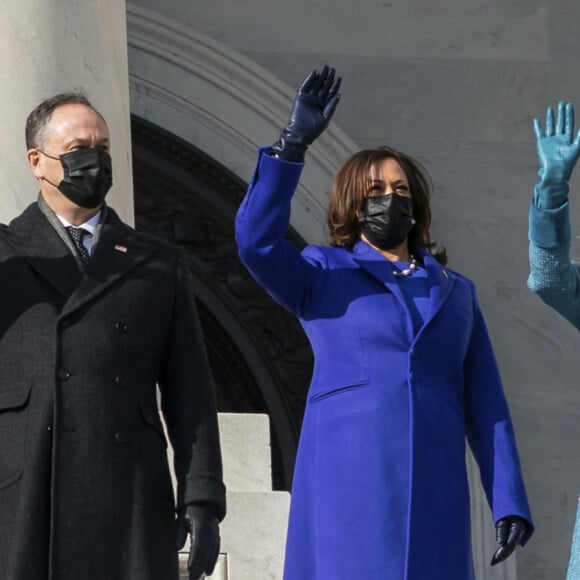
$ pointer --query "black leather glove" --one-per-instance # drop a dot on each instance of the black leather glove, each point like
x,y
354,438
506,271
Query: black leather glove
x,y
313,107
509,532
203,527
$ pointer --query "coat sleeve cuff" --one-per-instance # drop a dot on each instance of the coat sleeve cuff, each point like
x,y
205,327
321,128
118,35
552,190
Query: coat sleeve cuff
x,y
549,228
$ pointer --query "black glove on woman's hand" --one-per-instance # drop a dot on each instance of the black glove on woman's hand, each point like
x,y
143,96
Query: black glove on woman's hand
x,y
313,107
204,548
509,532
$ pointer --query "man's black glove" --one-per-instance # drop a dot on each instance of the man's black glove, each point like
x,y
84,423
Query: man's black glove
x,y
509,532
202,525
313,107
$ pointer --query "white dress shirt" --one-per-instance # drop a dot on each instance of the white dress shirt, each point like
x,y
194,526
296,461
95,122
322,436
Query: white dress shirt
x,y
90,226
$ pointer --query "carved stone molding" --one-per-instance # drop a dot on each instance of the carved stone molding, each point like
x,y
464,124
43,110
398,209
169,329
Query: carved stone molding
x,y
225,105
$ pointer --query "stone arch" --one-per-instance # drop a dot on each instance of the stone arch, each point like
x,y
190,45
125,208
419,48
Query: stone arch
x,y
225,105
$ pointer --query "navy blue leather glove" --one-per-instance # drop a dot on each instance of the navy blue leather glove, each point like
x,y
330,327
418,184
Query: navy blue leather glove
x,y
557,154
509,532
313,107
203,528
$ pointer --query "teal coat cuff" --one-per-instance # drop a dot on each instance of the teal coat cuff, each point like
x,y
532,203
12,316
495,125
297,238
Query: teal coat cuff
x,y
549,228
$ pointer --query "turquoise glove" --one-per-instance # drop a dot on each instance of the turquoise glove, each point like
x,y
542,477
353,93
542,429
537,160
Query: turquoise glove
x,y
557,154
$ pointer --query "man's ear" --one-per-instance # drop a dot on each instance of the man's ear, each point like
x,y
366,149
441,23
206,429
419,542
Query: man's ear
x,y
36,163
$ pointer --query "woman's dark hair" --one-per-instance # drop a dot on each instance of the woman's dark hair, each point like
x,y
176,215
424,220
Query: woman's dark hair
x,y
349,191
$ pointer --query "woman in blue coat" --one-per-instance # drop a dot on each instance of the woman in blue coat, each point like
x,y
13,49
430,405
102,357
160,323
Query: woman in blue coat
x,y
404,369
554,277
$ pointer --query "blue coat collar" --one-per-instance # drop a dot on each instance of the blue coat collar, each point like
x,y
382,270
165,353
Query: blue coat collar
x,y
440,278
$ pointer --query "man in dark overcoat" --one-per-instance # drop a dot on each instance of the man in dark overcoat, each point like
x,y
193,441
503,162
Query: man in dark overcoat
x,y
92,320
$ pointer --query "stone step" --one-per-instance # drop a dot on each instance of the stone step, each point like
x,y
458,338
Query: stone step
x,y
246,453
253,535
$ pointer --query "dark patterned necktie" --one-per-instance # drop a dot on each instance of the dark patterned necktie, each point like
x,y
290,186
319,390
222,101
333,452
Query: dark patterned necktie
x,y
77,235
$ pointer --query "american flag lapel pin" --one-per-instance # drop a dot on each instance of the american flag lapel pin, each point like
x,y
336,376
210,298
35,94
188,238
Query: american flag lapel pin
x,y
120,248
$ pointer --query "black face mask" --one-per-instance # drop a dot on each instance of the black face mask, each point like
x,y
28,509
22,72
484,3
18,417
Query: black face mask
x,y
88,176
386,220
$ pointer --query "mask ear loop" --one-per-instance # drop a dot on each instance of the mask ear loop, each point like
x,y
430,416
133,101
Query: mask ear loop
x,y
51,183
50,157
47,155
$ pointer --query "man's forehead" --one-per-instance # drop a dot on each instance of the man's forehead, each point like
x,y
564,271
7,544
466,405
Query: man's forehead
x,y
72,120
69,110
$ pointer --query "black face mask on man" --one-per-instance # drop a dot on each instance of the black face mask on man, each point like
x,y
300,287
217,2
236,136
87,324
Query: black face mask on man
x,y
386,220
88,176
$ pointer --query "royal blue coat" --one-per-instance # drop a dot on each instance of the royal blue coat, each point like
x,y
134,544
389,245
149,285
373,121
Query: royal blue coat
x,y
380,488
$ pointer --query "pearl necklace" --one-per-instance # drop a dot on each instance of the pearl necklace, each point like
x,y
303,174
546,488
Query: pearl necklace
x,y
407,271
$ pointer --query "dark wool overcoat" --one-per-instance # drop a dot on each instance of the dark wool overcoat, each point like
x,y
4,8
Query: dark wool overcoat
x,y
380,487
85,488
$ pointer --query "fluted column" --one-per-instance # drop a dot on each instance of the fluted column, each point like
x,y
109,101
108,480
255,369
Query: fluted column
x,y
51,46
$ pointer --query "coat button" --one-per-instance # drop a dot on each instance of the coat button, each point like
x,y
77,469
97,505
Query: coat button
x,y
119,381
122,327
63,375
120,437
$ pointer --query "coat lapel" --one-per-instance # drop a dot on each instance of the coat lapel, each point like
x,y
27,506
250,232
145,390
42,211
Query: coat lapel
x,y
440,280
37,242
117,252
371,261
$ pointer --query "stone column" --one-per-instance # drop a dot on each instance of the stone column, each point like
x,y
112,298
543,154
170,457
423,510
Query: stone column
x,y
51,46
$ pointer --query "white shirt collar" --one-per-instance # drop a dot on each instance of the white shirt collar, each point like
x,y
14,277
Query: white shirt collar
x,y
89,225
